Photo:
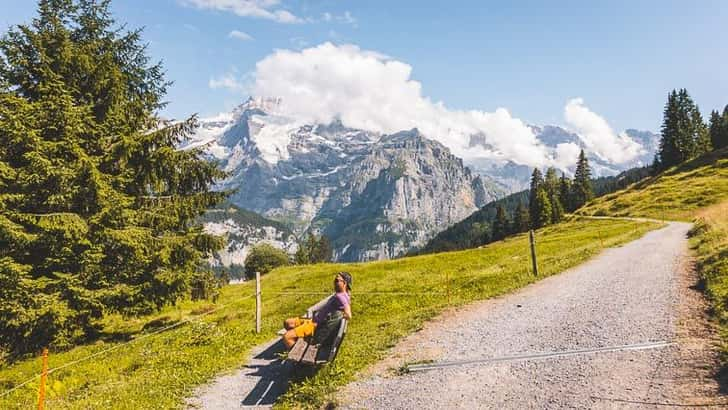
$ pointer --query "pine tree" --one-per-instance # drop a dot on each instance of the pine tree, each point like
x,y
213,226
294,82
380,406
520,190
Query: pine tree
x,y
669,151
313,250
537,182
322,252
719,128
98,205
700,132
565,193
544,211
581,188
684,134
302,256
552,186
521,219
501,224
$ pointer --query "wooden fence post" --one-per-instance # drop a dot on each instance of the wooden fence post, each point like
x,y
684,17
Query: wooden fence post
x,y
532,240
257,302
447,286
43,377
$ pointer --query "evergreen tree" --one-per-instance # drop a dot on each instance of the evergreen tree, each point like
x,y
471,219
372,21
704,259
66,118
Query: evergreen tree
x,y
684,134
557,210
544,211
581,188
565,193
314,250
552,187
700,131
302,256
521,219
501,224
719,128
97,204
322,252
537,182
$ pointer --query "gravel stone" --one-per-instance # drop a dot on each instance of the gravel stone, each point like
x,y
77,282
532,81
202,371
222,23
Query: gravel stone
x,y
624,296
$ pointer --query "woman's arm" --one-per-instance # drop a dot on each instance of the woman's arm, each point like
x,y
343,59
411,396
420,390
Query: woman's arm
x,y
347,312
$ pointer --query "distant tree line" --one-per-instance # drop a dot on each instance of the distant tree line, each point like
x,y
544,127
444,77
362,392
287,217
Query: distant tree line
x,y
684,134
549,197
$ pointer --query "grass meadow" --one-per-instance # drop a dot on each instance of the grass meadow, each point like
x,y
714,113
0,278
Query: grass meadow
x,y
148,370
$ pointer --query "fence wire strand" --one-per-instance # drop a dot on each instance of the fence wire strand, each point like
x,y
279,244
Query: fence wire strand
x,y
197,317
120,345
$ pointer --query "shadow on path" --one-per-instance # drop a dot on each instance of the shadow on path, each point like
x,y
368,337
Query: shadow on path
x,y
274,375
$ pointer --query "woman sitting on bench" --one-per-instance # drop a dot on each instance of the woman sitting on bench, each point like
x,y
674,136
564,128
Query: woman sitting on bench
x,y
301,327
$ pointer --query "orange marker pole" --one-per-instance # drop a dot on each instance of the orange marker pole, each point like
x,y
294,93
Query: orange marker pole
x,y
43,377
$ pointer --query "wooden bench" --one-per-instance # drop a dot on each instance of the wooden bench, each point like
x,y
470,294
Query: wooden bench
x,y
307,353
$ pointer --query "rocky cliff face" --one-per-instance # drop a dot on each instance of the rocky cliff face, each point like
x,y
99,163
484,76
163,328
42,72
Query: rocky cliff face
x,y
243,230
400,195
375,196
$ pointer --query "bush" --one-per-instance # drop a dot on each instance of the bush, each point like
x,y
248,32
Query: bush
x,y
263,258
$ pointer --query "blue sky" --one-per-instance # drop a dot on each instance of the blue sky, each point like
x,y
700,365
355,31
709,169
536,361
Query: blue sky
x,y
620,57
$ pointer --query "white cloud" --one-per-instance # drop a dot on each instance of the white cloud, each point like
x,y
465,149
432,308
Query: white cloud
x,y
598,136
240,35
368,90
228,81
265,9
346,18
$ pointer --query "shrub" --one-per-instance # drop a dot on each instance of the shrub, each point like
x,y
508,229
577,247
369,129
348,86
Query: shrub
x,y
263,258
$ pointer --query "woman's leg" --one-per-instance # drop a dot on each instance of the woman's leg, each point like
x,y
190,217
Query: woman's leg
x,y
289,338
290,323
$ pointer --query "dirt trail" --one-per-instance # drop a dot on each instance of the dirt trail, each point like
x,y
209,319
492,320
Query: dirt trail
x,y
641,292
625,296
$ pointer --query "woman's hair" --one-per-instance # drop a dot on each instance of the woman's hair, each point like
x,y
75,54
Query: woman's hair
x,y
347,279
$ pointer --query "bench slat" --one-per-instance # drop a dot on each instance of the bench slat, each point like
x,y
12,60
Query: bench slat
x,y
298,350
310,356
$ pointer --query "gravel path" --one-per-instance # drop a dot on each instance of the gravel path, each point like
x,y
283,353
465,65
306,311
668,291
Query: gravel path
x,y
626,295
257,385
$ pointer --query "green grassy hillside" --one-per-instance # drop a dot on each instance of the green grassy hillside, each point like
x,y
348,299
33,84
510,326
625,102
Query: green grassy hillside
x,y
676,194
476,229
158,371
710,241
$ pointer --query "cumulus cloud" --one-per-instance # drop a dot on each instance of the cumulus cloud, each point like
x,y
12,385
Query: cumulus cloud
x,y
598,137
240,35
371,91
228,81
265,9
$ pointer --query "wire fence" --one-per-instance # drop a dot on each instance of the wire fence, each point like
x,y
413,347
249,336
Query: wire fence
x,y
447,293
124,344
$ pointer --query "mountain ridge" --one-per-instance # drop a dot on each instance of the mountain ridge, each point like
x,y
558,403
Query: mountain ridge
x,y
376,196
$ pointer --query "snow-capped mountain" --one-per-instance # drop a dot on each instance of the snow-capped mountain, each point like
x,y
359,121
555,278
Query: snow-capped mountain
x,y
514,177
374,196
